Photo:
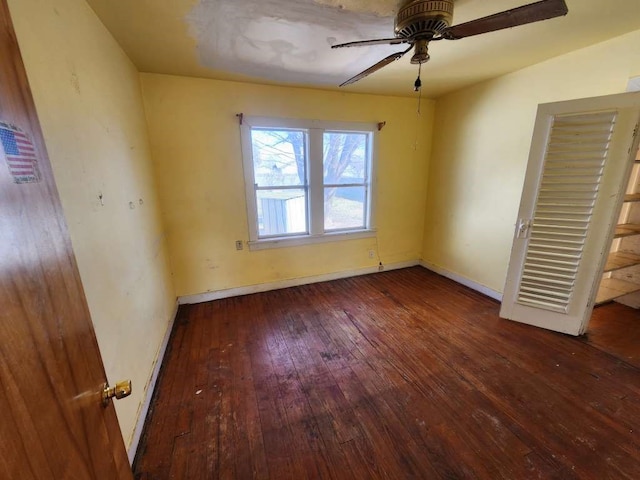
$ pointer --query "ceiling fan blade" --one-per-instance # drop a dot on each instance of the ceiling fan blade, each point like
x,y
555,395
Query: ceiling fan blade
x,y
379,41
382,63
533,12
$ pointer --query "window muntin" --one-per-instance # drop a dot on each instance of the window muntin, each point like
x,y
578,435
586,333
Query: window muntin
x,y
307,181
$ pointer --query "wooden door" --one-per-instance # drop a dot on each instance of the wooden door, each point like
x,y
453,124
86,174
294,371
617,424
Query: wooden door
x,y
581,155
52,422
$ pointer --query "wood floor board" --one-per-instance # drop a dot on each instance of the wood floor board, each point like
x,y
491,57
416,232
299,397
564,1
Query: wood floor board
x,y
167,425
388,298
303,442
403,374
449,420
616,328
498,372
458,411
250,438
368,386
196,401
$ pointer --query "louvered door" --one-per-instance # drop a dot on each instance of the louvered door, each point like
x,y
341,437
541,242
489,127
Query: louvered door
x,y
578,165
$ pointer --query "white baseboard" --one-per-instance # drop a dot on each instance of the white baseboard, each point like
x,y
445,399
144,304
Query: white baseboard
x,y
463,280
294,282
151,385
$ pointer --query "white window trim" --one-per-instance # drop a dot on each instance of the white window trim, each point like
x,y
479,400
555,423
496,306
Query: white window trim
x,y
316,188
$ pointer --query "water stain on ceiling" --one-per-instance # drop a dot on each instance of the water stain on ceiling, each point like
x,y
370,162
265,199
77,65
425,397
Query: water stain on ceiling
x,y
286,41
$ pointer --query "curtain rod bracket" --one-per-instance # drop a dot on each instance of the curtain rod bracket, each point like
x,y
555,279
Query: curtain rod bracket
x,y
381,125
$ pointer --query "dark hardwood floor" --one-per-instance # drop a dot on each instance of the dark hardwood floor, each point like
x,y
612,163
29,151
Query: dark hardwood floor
x,y
397,375
615,328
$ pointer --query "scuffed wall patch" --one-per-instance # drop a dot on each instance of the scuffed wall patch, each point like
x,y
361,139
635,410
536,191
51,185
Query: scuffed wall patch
x,y
288,41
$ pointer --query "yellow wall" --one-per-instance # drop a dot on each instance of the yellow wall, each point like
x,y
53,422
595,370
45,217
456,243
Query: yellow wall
x,y
481,145
88,98
195,141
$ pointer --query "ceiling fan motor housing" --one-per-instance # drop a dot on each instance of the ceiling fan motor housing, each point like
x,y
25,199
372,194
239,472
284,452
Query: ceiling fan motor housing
x,y
417,19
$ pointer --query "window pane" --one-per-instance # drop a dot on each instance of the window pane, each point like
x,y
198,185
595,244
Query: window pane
x,y
278,157
345,158
281,212
344,208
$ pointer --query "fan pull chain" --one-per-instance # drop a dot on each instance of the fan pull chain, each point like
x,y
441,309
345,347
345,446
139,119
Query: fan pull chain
x,y
417,87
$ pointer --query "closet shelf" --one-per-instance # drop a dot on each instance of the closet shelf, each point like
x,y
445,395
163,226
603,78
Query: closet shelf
x,y
629,258
627,229
612,288
618,260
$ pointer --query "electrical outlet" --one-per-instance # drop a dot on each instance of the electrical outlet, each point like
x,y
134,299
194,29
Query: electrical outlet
x,y
380,267
372,254
239,245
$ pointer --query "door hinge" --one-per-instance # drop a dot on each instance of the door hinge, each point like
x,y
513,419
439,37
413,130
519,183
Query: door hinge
x,y
523,228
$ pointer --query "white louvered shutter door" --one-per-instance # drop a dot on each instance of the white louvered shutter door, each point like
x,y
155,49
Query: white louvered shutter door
x,y
580,157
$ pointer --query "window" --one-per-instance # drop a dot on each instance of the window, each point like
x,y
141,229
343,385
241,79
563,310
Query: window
x,y
307,181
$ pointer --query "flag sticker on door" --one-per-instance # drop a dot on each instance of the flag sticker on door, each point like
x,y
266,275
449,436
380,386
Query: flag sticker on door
x,y
19,154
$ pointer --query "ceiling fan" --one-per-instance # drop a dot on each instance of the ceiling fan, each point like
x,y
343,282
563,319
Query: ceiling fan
x,y
419,22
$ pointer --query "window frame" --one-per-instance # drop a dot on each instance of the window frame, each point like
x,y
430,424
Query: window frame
x,y
315,180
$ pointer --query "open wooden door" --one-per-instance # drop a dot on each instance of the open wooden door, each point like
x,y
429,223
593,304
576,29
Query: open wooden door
x,y
53,424
581,155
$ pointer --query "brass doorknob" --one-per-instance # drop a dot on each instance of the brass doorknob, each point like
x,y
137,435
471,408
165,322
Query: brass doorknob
x,y
120,390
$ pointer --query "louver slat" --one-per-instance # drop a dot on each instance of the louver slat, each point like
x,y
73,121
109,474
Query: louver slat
x,y
574,162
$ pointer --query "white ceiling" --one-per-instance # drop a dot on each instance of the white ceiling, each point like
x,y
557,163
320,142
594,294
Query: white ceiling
x,y
288,41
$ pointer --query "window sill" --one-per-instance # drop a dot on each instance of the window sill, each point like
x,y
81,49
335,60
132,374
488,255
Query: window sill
x,y
309,239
